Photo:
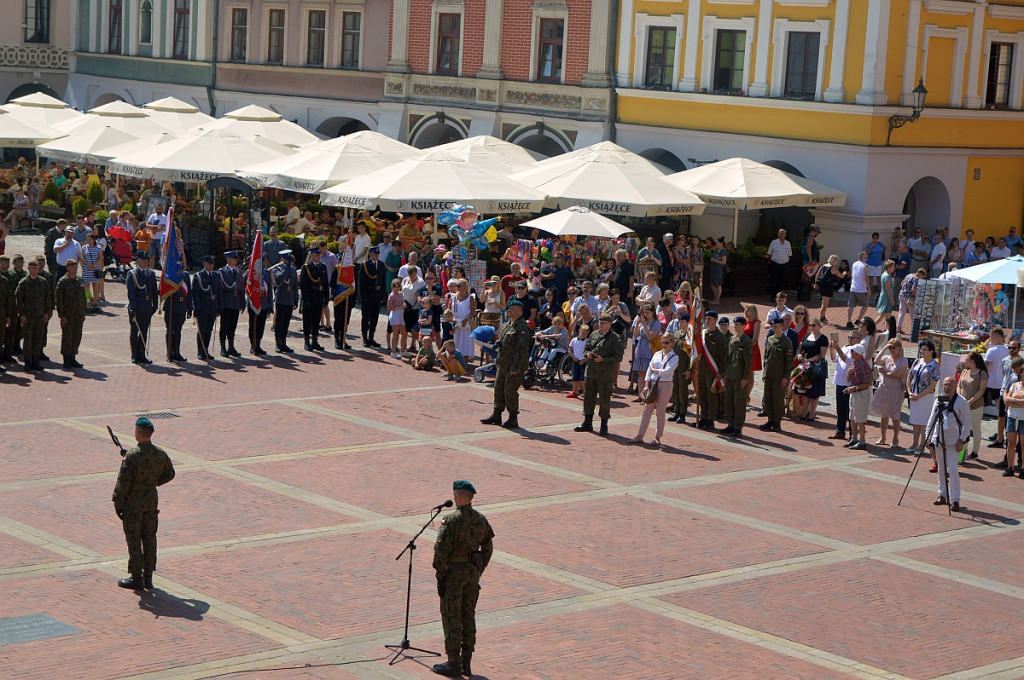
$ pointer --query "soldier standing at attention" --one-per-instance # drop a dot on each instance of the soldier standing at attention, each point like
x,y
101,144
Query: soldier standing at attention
x,y
206,302
52,282
258,322
603,352
142,301
12,340
34,300
514,342
136,502
231,302
461,553
70,297
313,281
286,299
6,309
716,340
370,287
177,307
778,360
737,367
681,377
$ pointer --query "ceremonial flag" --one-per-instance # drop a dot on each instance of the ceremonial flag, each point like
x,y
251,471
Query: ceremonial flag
x,y
254,279
172,277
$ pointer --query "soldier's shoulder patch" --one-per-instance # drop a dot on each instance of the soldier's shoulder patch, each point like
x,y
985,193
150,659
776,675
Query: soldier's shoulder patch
x,y
750,350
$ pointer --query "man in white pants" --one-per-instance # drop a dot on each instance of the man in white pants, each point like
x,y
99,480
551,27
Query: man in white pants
x,y
947,437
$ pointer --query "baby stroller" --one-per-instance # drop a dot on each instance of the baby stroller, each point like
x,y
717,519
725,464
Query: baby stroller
x,y
484,335
118,255
557,372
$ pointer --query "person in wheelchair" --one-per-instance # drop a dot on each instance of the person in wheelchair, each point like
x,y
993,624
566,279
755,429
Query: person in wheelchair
x,y
551,345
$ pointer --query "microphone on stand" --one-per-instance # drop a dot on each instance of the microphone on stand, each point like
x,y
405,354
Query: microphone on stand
x,y
447,504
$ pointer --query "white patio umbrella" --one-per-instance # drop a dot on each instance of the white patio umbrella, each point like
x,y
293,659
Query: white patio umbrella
x,y
118,115
611,180
177,115
578,221
82,145
20,133
133,145
253,121
494,153
39,108
743,184
1003,271
320,165
197,158
433,182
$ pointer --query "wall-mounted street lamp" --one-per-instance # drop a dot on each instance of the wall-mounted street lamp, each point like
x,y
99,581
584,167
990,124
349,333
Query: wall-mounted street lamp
x,y
898,121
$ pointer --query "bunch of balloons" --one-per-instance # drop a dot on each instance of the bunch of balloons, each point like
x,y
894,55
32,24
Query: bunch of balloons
x,y
464,224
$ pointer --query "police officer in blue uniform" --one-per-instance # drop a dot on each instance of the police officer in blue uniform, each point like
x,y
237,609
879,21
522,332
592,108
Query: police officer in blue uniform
x,y
177,307
370,288
142,304
258,322
231,303
313,280
206,302
286,299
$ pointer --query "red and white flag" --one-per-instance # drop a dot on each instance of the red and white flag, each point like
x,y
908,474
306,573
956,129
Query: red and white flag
x,y
254,279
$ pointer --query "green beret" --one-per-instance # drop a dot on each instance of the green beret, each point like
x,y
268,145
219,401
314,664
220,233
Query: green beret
x,y
515,302
463,485
145,422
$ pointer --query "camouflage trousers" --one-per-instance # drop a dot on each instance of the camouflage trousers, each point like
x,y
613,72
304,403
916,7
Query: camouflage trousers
x,y
33,334
140,527
680,391
71,337
506,390
458,610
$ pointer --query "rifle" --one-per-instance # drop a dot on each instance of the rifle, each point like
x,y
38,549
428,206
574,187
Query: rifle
x,y
117,443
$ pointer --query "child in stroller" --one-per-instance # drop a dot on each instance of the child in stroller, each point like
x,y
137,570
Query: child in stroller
x,y
119,254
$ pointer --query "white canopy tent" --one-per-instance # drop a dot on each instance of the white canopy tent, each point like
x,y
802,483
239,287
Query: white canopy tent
x,y
177,115
117,115
323,164
133,145
83,145
743,184
197,158
39,108
432,182
491,152
19,133
256,121
611,180
578,221
1008,271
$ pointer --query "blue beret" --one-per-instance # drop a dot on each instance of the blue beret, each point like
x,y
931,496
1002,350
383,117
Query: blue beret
x,y
463,485
141,255
145,422
779,319
723,320
739,319
514,302
685,316
712,314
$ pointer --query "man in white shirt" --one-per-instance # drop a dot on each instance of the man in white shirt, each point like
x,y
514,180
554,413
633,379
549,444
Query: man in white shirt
x,y
157,223
842,356
361,244
967,245
385,246
66,248
949,426
779,253
859,287
291,218
411,263
935,263
1000,252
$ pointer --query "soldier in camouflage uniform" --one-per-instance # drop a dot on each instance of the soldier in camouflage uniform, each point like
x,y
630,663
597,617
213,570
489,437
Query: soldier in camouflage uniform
x,y
716,340
70,297
737,369
34,301
514,342
461,553
12,338
603,352
48,277
681,377
6,308
136,501
778,361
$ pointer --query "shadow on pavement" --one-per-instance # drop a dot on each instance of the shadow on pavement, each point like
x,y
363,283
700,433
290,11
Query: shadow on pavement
x,y
8,378
542,437
161,603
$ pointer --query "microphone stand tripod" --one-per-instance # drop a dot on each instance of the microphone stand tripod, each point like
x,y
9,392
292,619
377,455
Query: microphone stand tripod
x,y
936,418
400,649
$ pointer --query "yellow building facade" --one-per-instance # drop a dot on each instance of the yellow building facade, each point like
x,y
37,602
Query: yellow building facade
x,y
811,85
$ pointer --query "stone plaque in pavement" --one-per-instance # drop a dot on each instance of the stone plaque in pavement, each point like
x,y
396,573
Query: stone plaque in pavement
x,y
32,627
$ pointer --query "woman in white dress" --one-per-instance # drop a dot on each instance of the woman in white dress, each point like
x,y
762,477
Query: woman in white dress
x,y
463,306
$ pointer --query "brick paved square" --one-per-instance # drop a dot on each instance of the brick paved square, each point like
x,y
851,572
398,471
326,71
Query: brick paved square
x,y
123,632
259,429
620,641
35,452
627,541
683,456
345,585
886,616
306,669
456,409
15,553
832,503
194,508
411,479
976,478
995,557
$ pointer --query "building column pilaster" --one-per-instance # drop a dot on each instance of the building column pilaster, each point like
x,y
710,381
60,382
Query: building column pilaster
x,y
597,61
491,66
399,60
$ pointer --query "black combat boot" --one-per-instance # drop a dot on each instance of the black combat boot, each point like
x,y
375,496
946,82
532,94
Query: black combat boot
x,y
512,422
451,669
586,426
305,342
467,657
134,582
495,418
604,427
147,579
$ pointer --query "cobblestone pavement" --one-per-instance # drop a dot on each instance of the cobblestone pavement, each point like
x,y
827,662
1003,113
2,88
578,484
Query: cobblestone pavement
x,y
301,478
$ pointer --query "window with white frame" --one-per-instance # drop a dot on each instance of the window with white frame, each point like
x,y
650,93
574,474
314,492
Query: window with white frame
x,y
801,65
239,33
659,66
181,29
37,21
275,36
115,14
316,33
730,62
550,44
1000,70
449,38
145,22
351,31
